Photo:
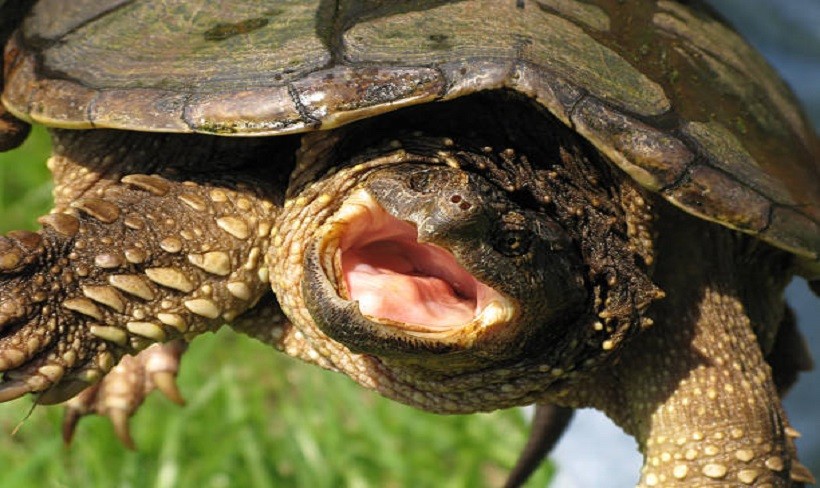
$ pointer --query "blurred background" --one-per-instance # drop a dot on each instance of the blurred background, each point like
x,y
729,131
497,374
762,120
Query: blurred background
x,y
256,418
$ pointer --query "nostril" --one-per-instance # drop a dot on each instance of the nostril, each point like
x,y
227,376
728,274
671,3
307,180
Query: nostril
x,y
461,202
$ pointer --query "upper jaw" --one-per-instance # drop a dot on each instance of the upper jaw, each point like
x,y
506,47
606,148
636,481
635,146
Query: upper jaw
x,y
362,252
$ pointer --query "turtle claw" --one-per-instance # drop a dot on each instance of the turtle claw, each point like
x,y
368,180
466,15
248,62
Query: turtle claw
x,y
75,409
161,363
119,395
119,418
70,421
166,383
12,390
800,473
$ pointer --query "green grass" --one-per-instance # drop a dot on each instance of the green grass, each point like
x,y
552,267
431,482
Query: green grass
x,y
254,418
25,186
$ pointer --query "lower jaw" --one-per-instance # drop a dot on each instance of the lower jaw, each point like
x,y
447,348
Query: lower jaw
x,y
343,321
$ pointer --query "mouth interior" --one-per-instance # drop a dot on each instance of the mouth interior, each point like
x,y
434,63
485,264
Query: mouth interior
x,y
394,277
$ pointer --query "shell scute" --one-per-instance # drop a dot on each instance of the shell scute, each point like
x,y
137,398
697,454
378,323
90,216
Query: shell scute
x,y
654,158
715,195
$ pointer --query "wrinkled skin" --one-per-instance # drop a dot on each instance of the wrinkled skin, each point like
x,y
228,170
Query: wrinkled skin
x,y
527,270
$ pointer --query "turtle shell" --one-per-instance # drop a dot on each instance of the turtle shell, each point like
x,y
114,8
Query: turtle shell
x,y
670,94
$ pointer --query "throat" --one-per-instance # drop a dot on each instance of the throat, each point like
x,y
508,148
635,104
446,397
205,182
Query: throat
x,y
388,284
395,278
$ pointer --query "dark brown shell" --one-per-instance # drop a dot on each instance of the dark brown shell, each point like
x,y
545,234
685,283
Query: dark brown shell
x,y
671,95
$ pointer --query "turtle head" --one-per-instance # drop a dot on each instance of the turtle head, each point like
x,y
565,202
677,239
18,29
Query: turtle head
x,y
424,262
415,271
460,268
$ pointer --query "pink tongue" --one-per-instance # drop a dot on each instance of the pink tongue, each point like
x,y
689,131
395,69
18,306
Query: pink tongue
x,y
394,277
384,280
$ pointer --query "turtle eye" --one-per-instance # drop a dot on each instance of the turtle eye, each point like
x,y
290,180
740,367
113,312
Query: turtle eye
x,y
513,242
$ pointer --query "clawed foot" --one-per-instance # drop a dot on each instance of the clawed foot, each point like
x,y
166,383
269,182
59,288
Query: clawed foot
x,y
122,391
126,260
39,342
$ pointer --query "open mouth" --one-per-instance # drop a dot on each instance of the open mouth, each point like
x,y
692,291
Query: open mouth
x,y
375,259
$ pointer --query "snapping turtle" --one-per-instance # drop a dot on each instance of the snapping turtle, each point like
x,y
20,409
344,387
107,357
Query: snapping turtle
x,y
462,205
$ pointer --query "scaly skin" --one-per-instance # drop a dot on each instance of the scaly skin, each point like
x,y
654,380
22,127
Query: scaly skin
x,y
133,253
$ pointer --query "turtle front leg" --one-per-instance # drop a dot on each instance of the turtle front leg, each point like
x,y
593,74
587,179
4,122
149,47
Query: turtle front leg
x,y
695,390
153,238
707,409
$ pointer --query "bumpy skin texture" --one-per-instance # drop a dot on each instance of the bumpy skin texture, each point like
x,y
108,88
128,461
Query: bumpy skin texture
x,y
152,238
715,327
600,297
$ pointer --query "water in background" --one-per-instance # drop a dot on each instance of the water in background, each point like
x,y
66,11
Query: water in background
x,y
595,453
